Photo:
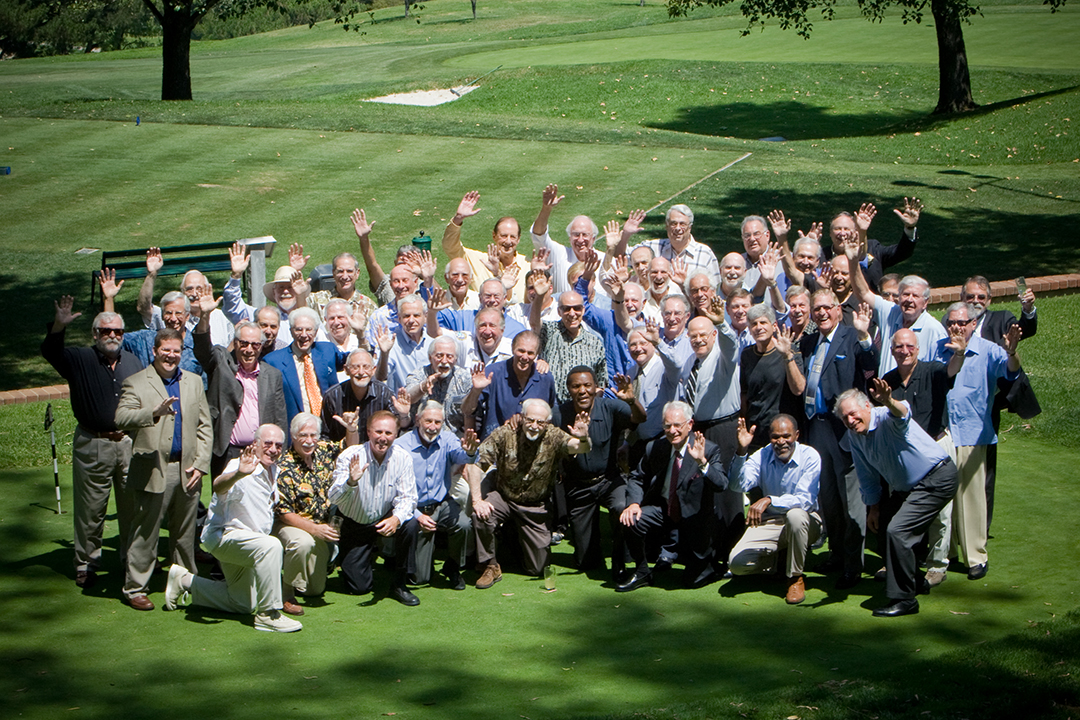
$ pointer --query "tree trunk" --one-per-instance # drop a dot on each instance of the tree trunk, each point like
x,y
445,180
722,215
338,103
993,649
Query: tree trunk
x,y
954,80
176,30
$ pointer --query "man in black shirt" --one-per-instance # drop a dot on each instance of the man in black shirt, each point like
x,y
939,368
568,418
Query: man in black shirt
x,y
924,386
593,479
362,394
100,453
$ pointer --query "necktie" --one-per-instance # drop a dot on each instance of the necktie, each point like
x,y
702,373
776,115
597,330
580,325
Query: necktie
x,y
691,384
673,509
814,379
311,386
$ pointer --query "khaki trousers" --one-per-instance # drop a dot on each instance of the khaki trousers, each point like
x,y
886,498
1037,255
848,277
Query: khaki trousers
x,y
757,550
98,466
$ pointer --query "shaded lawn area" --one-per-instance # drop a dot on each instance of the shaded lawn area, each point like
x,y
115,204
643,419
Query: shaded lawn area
x,y
999,647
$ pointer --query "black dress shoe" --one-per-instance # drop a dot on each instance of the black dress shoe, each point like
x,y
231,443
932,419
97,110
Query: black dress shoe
x,y
662,565
85,578
403,596
848,580
978,572
898,608
637,580
456,581
706,577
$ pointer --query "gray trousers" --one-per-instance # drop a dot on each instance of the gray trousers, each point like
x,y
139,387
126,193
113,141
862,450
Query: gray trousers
x,y
98,466
908,526
149,510
452,519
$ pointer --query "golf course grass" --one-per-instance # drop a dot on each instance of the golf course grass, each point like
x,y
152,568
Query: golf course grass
x,y
623,108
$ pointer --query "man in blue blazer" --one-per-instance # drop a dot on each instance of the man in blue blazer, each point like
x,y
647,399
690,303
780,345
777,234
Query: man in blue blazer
x,y
837,357
673,488
308,368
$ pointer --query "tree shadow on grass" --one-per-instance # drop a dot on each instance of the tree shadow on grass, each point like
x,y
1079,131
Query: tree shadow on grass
x,y
798,120
955,239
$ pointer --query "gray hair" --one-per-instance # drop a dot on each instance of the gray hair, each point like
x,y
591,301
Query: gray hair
x,y
304,312
797,290
643,246
490,310
913,334
413,299
803,242
851,394
430,405
356,353
268,426
442,340
536,402
342,256
684,408
301,419
974,312
468,267
104,317
595,230
337,301
752,218
915,281
171,297
760,310
244,325
675,296
682,210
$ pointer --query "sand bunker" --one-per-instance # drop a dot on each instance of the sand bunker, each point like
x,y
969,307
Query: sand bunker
x,y
426,98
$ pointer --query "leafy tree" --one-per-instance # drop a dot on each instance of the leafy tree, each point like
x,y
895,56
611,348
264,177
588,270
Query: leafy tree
x,y
949,17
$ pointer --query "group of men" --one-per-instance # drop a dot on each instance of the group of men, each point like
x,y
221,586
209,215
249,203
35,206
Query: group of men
x,y
529,393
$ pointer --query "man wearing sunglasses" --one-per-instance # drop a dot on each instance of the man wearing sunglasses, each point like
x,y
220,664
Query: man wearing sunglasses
x,y
100,453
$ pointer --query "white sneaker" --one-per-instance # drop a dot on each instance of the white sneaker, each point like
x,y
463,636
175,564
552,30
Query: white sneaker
x,y
175,594
274,621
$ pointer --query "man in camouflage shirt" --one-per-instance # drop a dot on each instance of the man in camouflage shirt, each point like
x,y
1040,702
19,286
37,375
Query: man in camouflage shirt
x,y
521,461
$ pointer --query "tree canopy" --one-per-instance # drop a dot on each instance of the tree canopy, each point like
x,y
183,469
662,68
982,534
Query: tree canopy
x,y
949,17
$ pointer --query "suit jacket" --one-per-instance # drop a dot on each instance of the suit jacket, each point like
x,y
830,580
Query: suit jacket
x,y
327,360
645,486
152,437
225,393
1016,396
847,364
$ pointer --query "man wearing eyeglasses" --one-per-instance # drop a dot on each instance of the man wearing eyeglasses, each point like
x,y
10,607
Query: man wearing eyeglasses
x,y
1017,397
100,453
970,405
244,392
837,357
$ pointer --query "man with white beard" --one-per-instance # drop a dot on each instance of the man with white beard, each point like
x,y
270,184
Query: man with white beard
x,y
361,394
521,464
100,453
443,381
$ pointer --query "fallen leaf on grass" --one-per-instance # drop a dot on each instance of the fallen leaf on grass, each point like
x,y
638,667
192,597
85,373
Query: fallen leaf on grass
x,y
957,612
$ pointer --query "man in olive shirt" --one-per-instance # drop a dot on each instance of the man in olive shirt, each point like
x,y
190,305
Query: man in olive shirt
x,y
523,460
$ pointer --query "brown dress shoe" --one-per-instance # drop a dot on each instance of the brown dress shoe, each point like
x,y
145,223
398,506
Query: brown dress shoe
x,y
140,602
492,574
796,591
291,608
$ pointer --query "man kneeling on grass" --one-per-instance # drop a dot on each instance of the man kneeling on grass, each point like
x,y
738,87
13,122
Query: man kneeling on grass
x,y
238,534
788,473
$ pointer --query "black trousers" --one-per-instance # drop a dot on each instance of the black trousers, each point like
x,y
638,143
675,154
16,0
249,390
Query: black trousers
x,y
841,501
584,503
358,546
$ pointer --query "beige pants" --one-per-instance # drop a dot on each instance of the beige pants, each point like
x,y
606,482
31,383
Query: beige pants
x,y
305,561
98,466
148,511
757,551
251,563
969,508
940,533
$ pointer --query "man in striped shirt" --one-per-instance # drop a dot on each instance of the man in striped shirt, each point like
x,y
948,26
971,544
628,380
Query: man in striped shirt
x,y
375,491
